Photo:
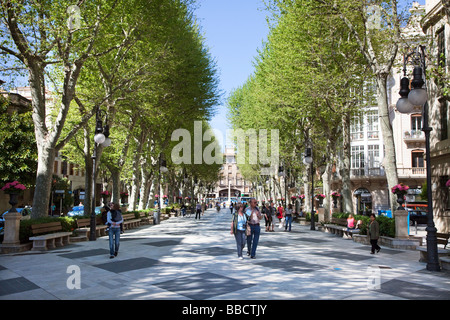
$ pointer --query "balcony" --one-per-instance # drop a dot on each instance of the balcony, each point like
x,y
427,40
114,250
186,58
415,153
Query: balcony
x,y
418,172
368,172
414,135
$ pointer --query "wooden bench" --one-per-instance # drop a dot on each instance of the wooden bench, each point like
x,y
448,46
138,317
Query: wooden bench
x,y
130,221
146,219
338,226
84,227
48,236
442,239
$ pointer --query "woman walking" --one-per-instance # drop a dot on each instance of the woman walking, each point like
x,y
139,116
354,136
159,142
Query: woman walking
x,y
288,217
374,234
238,226
114,220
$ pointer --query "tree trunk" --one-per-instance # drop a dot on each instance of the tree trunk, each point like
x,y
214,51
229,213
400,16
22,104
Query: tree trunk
x,y
307,190
46,158
88,173
345,165
389,161
145,185
135,180
115,175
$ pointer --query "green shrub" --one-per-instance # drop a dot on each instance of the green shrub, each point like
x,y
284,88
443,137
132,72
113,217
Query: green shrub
x,y
387,225
68,224
308,216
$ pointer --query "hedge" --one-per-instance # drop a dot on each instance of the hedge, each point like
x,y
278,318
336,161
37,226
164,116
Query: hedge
x,y
387,225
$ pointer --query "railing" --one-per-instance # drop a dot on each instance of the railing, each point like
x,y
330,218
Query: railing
x,y
408,172
414,135
379,171
365,172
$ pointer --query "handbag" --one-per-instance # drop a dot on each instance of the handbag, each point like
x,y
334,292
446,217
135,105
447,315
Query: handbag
x,y
248,230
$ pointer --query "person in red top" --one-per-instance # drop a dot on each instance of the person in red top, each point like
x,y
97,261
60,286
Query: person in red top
x,y
350,222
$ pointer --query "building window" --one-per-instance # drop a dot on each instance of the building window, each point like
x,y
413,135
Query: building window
x,y
357,129
357,164
374,156
416,122
55,167
441,47
417,164
444,120
64,168
446,191
373,127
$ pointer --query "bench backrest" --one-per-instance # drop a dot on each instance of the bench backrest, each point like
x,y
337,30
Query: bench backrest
x,y
87,222
46,227
83,223
442,238
339,221
128,216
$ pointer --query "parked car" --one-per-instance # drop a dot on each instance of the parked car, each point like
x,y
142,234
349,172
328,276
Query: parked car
x,y
26,215
79,211
417,216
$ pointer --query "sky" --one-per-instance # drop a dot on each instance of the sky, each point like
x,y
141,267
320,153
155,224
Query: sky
x,y
233,31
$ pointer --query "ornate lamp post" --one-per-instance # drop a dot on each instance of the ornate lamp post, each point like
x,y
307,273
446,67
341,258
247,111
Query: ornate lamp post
x,y
308,160
101,137
281,173
162,169
410,99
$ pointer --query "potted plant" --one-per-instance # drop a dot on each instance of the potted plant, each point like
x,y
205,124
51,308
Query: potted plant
x,y
105,194
123,197
13,189
400,190
335,195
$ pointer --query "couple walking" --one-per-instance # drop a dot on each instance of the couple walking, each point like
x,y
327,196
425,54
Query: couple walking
x,y
243,218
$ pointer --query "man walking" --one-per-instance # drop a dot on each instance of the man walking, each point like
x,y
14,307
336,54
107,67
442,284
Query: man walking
x,y
199,211
254,218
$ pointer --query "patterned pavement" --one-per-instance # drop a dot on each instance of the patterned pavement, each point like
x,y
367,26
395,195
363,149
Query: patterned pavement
x,y
183,259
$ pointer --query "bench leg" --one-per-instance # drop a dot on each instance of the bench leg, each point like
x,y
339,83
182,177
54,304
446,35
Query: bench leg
x,y
51,244
66,240
58,242
39,245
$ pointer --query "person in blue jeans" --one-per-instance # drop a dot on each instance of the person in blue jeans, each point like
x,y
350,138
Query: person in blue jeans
x,y
238,226
288,217
254,217
114,219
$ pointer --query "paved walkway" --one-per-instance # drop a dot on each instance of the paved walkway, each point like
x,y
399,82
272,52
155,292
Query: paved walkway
x,y
184,258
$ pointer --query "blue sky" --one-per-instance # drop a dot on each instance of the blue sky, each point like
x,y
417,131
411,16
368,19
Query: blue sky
x,y
233,31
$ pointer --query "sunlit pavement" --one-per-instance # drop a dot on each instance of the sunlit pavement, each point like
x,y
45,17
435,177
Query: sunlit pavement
x,y
184,258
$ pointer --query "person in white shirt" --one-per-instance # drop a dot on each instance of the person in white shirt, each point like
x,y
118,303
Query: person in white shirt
x,y
254,217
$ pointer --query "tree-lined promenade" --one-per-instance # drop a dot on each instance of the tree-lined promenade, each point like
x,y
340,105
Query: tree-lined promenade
x,y
140,66
138,71
323,63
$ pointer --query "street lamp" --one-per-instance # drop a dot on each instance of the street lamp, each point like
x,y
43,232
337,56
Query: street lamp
x,y
418,97
308,160
101,137
162,168
281,173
